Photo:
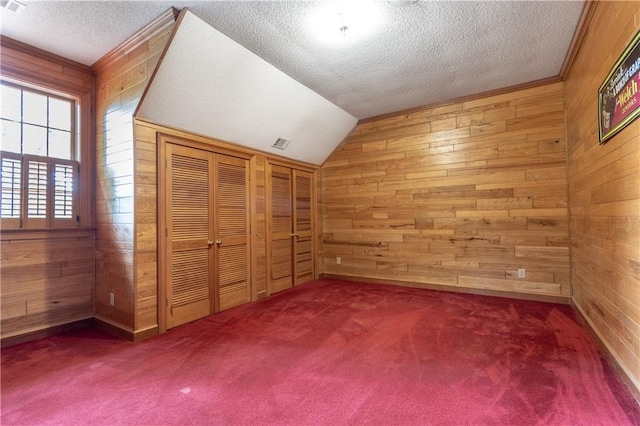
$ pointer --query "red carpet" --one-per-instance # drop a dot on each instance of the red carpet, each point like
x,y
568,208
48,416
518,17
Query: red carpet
x,y
328,353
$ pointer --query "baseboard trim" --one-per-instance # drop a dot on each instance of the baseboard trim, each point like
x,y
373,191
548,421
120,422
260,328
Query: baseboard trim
x,y
123,332
456,289
146,333
114,329
45,332
607,353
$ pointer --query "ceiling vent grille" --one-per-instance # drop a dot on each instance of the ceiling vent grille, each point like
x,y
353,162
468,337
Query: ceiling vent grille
x,y
12,5
281,143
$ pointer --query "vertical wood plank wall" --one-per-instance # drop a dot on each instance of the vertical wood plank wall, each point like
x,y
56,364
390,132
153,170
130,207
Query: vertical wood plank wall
x,y
604,193
123,266
460,195
46,276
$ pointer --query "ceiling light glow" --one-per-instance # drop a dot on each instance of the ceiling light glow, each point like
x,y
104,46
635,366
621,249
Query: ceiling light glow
x,y
345,22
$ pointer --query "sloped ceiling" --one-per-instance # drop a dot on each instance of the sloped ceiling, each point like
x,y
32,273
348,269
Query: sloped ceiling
x,y
210,85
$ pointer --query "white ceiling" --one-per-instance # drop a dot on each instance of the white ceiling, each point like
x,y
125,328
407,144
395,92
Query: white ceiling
x,y
424,53
217,94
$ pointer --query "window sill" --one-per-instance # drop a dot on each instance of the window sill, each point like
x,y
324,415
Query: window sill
x,y
34,234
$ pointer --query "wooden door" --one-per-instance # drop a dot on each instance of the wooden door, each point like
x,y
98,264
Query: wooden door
x,y
232,231
189,223
303,264
291,243
280,265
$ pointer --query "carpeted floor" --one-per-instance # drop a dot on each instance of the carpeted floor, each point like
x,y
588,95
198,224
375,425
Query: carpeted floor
x,y
328,353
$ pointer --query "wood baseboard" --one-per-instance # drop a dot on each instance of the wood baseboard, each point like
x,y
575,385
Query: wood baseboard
x,y
45,332
456,289
606,352
123,332
114,329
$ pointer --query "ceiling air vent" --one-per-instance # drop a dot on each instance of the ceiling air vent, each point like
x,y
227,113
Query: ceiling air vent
x,y
281,143
12,5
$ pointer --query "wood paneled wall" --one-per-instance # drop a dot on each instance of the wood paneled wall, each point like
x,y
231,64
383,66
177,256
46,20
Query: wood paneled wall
x,y
47,279
460,195
604,193
124,267
46,276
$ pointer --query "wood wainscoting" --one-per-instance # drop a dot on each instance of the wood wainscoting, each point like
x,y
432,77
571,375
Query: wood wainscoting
x,y
461,195
47,279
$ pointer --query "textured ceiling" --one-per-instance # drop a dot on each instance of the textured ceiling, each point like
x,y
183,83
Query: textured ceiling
x,y
424,53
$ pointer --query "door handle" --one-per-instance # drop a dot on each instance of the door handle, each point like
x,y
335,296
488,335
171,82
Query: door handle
x,y
218,242
294,235
210,243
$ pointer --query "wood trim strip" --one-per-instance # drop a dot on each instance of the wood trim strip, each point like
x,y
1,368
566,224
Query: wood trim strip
x,y
194,140
45,233
455,289
576,42
114,329
46,332
611,359
496,92
142,36
9,43
179,17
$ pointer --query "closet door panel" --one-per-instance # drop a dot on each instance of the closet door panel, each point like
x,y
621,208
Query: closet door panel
x,y
189,211
303,227
232,230
281,220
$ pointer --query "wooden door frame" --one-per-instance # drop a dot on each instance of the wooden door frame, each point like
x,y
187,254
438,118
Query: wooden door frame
x,y
161,140
268,209
313,218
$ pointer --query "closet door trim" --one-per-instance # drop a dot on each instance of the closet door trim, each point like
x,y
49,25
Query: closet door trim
x,y
162,140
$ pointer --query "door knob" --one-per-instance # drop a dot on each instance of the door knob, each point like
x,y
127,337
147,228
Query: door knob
x,y
218,242
293,235
210,243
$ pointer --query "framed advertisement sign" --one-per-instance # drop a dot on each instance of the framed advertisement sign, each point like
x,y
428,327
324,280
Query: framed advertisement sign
x,y
619,94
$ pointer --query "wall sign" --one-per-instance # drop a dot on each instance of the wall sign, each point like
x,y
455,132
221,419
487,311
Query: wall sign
x,y
619,94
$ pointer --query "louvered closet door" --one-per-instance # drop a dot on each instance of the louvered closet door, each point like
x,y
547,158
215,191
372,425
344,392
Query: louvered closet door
x,y
281,221
303,229
189,224
232,230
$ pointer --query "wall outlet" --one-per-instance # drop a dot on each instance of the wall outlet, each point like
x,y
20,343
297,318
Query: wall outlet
x,y
338,260
522,273
112,299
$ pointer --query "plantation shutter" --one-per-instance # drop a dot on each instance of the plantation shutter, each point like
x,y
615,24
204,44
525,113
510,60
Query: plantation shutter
x,y
11,172
188,218
36,171
38,192
65,176
232,231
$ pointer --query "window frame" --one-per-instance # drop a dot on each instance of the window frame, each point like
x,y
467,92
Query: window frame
x,y
50,221
29,66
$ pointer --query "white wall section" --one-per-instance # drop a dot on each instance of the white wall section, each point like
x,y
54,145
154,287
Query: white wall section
x,y
210,85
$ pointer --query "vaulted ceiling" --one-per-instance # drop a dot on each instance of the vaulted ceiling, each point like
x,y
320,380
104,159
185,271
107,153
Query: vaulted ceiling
x,y
413,54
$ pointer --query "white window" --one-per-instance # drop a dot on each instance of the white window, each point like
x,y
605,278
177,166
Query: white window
x,y
38,155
